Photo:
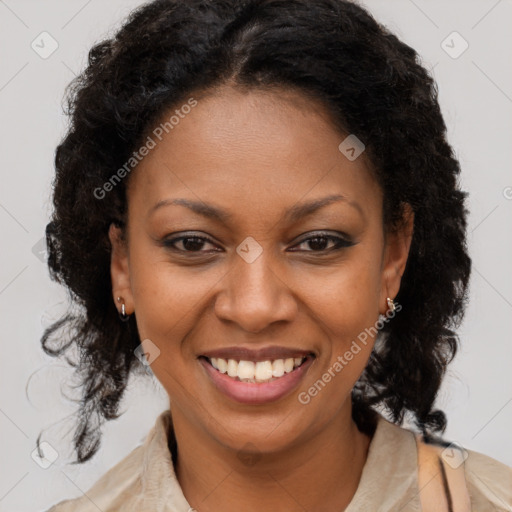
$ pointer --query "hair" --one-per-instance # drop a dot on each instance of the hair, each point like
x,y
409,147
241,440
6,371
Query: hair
x,y
372,84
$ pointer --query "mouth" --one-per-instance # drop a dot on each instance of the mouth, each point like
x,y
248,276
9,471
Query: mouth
x,y
256,382
256,371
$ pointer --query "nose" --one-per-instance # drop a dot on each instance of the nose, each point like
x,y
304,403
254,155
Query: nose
x,y
255,295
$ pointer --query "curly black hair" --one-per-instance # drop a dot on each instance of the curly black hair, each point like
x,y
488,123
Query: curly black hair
x,y
374,86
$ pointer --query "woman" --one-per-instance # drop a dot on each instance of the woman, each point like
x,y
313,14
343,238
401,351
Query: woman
x,y
257,200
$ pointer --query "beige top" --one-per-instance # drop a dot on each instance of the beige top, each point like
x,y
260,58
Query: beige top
x,y
145,481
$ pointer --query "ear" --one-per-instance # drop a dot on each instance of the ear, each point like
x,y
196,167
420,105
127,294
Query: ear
x,y
120,270
396,252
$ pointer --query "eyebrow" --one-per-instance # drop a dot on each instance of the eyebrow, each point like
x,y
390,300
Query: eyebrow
x,y
292,215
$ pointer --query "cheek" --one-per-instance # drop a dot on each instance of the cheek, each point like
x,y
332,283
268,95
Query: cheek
x,y
346,299
347,312
168,298
345,305
167,301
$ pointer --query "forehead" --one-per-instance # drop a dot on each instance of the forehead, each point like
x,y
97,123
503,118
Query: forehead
x,y
250,150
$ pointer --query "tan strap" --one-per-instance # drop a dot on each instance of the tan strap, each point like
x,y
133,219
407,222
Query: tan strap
x,y
442,486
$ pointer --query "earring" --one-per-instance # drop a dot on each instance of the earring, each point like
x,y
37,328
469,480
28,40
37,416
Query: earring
x,y
391,304
122,315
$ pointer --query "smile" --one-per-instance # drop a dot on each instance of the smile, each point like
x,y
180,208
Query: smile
x,y
256,382
256,371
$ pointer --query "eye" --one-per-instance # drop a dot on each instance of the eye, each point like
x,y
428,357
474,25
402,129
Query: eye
x,y
188,243
320,241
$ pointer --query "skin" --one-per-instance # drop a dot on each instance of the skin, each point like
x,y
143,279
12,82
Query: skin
x,y
256,154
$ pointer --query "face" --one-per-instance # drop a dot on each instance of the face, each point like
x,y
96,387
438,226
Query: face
x,y
252,237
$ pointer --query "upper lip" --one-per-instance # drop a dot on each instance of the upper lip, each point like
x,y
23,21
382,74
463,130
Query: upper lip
x,y
261,354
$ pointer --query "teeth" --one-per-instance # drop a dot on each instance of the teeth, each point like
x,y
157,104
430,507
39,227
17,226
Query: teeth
x,y
222,365
245,370
288,364
278,368
232,368
263,370
260,371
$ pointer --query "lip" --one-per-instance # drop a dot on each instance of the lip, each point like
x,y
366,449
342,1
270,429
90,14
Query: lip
x,y
262,354
254,393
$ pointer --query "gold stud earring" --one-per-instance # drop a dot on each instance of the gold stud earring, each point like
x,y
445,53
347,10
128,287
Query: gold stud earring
x,y
122,315
391,304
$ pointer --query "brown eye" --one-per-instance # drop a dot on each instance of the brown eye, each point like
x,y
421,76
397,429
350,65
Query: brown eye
x,y
320,243
188,243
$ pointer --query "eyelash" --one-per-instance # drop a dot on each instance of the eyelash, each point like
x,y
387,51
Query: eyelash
x,y
340,243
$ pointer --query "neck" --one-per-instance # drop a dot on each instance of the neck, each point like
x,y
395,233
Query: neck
x,y
318,474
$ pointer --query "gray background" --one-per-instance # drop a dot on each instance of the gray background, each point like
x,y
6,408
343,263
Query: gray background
x,y
476,98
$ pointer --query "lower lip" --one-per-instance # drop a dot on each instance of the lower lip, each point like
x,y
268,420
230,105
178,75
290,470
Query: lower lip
x,y
256,392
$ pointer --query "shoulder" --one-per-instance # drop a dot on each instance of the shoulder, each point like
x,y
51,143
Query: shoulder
x,y
138,482
489,482
116,482
131,482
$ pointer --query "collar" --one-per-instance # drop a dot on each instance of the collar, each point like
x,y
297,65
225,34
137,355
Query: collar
x,y
388,480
